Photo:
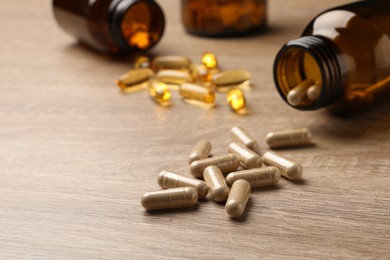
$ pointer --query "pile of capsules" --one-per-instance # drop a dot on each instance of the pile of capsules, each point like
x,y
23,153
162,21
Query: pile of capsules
x,y
196,83
180,191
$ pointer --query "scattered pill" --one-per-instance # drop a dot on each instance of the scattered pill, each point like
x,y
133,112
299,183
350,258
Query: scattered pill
x,y
298,93
175,77
286,138
238,198
159,92
313,92
171,63
168,180
142,62
230,78
287,167
134,78
216,182
257,178
170,199
200,151
226,163
238,134
236,99
196,92
209,60
248,158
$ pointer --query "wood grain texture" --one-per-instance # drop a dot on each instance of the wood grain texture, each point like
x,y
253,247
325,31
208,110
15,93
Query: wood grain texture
x,y
76,155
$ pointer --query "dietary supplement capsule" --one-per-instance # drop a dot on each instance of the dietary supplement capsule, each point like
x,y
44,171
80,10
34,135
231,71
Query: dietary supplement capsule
x,y
257,178
171,63
248,158
196,92
287,167
286,138
313,92
230,78
200,151
238,198
170,199
239,135
159,92
216,182
226,163
175,77
236,99
168,180
142,62
209,60
298,94
134,79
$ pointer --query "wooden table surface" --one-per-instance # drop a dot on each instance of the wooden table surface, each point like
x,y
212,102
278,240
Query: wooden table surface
x,y
77,155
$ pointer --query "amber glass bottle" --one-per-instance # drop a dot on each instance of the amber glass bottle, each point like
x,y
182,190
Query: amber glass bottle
x,y
342,60
218,18
112,25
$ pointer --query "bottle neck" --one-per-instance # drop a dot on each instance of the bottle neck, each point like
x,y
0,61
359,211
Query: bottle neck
x,y
309,61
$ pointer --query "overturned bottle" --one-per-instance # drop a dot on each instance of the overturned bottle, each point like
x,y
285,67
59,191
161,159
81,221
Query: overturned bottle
x,y
342,60
118,26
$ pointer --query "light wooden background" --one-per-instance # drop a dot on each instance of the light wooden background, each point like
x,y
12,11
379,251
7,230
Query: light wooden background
x,y
76,155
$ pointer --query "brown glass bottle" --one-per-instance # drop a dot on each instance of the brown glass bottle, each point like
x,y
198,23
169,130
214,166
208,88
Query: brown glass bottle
x,y
112,25
218,18
344,53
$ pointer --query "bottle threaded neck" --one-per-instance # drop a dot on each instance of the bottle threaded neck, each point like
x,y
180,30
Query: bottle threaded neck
x,y
309,58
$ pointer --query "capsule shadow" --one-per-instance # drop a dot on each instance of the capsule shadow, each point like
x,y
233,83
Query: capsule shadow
x,y
172,211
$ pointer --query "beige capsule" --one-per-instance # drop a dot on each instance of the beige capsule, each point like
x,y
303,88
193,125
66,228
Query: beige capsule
x,y
170,199
168,180
239,135
134,79
298,93
171,63
257,178
200,151
248,158
226,163
238,198
313,92
293,137
174,77
216,182
230,78
287,167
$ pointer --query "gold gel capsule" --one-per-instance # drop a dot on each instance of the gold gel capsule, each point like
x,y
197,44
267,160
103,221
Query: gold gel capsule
x,y
230,78
159,92
133,79
238,198
196,92
182,197
248,158
200,151
257,178
286,138
142,62
236,99
287,167
313,92
226,163
172,180
216,182
175,77
171,63
209,60
298,94
239,135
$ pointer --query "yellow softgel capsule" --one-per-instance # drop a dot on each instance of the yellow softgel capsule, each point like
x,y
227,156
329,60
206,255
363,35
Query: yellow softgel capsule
x,y
171,63
209,60
196,92
134,79
174,77
159,92
236,100
231,78
142,62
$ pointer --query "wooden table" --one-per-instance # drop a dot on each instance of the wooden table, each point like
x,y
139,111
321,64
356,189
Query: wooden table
x,y
77,155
